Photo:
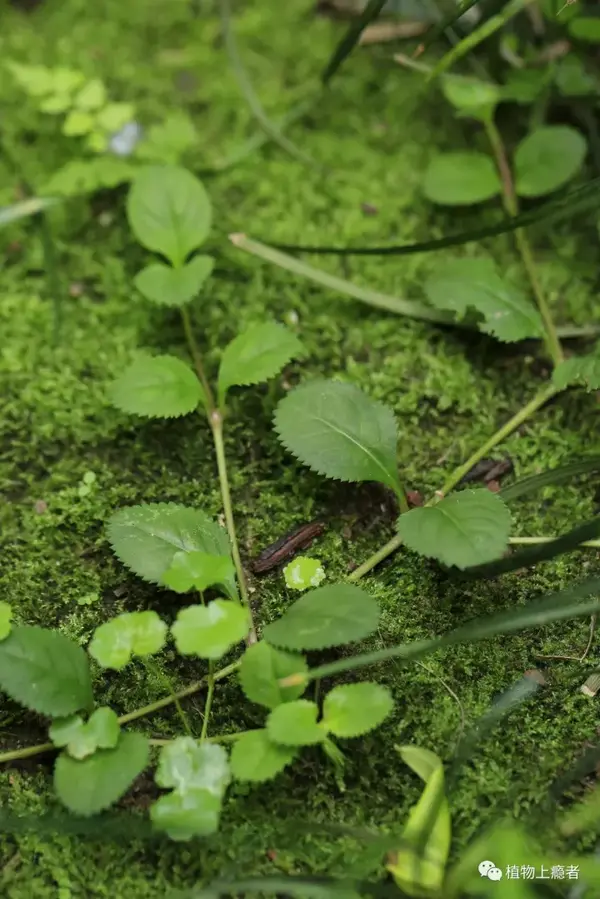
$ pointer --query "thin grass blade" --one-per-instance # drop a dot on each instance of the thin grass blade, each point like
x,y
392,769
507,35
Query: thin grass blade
x,y
10,214
436,31
551,478
351,38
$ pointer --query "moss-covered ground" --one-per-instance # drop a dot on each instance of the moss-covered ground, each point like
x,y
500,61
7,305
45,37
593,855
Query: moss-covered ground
x,y
374,132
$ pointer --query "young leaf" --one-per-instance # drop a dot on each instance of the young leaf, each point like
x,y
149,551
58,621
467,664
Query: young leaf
x,y
210,631
585,28
303,573
295,724
169,211
256,355
461,179
463,284
255,758
168,286
45,671
197,570
182,816
127,635
547,158
338,431
464,529
327,616
115,116
78,123
83,739
261,670
471,96
91,96
157,387
91,785
147,537
578,370
5,619
169,140
351,710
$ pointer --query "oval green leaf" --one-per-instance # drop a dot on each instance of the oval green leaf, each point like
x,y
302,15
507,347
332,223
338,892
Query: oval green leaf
x,y
263,667
340,432
351,710
327,616
169,211
295,724
548,158
183,816
197,570
174,287
127,635
210,631
256,355
256,758
157,387
185,764
461,179
585,28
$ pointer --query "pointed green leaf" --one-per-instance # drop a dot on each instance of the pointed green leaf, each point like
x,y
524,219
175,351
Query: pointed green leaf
x,y
464,529
578,370
547,158
461,179
256,758
197,570
183,816
169,211
157,387
463,284
78,123
167,286
295,724
91,96
147,537
327,616
83,739
338,431
256,355
210,631
127,635
185,764
5,619
45,671
263,667
91,785
351,710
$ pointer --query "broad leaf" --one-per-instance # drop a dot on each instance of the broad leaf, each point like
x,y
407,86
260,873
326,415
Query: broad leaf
x,y
91,96
45,671
169,211
157,387
464,529
339,431
585,28
351,710
471,96
295,724
571,78
197,570
167,286
461,179
84,738
463,284
548,158
262,668
127,635
147,537
182,816
210,631
327,616
523,86
89,786
5,619
583,370
256,355
256,758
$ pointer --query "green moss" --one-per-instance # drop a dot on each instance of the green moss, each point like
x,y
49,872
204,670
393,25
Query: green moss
x,y
374,132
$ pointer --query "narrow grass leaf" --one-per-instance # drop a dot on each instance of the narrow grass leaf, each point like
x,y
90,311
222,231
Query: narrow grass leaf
x,y
551,478
447,22
25,208
351,38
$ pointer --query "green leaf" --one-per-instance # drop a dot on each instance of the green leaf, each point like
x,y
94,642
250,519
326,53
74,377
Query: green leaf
x,y
78,123
585,28
198,570
547,158
157,387
85,176
295,724
169,211
35,80
351,710
6,615
114,116
368,14
186,764
147,537
174,287
256,758
65,81
464,529
571,78
303,572
56,104
127,635
463,284
262,668
45,671
327,616
338,431
461,179
83,739
91,785
25,208
578,370
471,96
210,631
183,816
523,86
91,96
256,355
550,478
168,141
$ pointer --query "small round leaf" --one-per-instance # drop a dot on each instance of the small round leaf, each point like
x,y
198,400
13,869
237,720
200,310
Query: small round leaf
x,y
126,635
351,710
167,286
295,724
263,667
256,758
183,816
461,179
210,631
186,765
548,158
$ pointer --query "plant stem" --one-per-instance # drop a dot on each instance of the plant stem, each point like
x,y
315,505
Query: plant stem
x,y
209,698
216,423
522,415
512,207
532,541
160,675
197,357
